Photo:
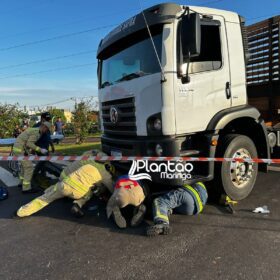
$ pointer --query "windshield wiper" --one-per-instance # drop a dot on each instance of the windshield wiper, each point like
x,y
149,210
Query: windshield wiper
x,y
106,84
132,76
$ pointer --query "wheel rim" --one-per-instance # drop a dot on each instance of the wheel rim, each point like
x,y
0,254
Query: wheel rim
x,y
241,172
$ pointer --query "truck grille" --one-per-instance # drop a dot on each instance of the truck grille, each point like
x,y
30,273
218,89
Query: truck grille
x,y
126,124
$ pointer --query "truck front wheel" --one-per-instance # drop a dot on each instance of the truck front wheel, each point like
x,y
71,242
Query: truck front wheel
x,y
237,178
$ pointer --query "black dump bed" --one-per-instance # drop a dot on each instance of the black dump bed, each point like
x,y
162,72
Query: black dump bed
x,y
263,68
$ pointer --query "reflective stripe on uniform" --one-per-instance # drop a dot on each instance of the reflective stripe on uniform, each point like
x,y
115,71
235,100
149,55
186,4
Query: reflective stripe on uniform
x,y
201,184
196,196
158,214
74,184
26,182
26,185
38,203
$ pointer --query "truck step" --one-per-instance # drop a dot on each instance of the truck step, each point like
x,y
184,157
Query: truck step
x,y
187,153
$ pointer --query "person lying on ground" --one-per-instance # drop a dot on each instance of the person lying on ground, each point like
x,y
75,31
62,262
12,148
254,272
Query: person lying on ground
x,y
187,200
78,181
127,193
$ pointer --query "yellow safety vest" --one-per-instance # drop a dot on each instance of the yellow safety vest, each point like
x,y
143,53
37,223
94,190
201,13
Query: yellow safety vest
x,y
194,193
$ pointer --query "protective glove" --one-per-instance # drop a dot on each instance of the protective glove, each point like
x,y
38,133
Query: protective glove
x,y
43,151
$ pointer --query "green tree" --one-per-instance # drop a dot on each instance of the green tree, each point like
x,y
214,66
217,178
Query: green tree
x,y
81,120
57,113
10,117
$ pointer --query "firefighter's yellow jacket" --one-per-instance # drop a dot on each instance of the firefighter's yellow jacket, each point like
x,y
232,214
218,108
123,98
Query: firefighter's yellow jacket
x,y
26,141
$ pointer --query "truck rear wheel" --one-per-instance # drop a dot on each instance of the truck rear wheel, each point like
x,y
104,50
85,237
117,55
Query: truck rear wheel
x,y
237,178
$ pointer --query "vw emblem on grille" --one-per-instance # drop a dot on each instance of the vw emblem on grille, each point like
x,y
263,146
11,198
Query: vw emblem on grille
x,y
114,115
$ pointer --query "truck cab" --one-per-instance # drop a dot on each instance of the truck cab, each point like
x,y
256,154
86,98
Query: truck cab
x,y
172,82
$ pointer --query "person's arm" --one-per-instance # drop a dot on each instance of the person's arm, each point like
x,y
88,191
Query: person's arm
x,y
32,139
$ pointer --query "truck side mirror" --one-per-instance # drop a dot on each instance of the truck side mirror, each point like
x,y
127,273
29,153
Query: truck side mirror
x,y
190,35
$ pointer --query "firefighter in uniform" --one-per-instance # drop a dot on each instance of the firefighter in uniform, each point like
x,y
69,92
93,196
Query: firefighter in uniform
x,y
187,200
26,144
78,181
127,192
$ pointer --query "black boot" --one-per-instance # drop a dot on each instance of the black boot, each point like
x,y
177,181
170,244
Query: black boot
x,y
157,229
33,190
77,211
138,216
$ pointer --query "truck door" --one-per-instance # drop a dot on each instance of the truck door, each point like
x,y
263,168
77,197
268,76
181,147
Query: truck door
x,y
208,91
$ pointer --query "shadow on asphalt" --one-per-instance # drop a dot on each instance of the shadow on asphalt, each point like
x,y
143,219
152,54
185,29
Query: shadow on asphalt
x,y
60,210
265,193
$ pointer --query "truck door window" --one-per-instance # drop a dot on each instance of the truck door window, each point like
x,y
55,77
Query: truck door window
x,y
210,57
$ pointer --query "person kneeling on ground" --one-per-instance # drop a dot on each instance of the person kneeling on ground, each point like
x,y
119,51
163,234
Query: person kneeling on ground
x,y
187,200
127,192
79,181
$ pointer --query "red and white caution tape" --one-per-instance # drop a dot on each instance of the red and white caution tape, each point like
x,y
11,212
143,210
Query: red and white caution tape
x,y
131,158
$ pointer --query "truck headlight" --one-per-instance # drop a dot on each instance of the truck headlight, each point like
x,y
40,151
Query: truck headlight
x,y
272,139
154,125
157,124
159,150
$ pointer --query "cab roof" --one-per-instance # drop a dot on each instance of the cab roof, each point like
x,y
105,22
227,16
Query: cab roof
x,y
158,14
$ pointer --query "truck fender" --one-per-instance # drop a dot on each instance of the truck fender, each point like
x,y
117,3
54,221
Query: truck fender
x,y
227,116
224,117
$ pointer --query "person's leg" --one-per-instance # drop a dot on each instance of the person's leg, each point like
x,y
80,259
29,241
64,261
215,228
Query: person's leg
x,y
83,200
27,169
52,193
17,152
163,205
162,209
188,206
79,203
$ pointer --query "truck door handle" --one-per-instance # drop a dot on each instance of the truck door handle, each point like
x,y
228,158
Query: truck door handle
x,y
228,90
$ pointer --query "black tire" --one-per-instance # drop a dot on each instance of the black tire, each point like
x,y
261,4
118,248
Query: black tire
x,y
226,173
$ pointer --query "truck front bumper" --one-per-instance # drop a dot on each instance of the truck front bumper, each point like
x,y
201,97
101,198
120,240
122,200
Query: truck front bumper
x,y
146,146
141,146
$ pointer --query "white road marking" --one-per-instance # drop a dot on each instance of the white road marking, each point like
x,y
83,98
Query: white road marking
x,y
7,178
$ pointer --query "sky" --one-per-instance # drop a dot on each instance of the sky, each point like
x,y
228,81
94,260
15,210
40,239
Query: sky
x,y
56,40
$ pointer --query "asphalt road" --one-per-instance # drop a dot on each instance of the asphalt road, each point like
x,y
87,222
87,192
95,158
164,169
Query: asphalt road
x,y
214,245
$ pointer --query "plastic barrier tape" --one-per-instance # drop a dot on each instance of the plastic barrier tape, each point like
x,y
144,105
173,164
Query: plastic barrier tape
x,y
131,158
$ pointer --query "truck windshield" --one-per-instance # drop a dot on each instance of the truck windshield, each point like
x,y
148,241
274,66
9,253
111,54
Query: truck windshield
x,y
137,60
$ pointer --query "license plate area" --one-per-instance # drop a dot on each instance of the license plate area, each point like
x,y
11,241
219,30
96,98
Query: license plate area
x,y
116,153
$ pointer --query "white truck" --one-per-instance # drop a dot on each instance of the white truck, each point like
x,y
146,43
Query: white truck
x,y
172,82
